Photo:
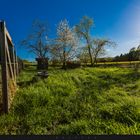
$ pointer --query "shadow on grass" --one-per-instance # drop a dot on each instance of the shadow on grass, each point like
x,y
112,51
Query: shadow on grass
x,y
23,84
133,76
30,70
76,106
105,81
34,80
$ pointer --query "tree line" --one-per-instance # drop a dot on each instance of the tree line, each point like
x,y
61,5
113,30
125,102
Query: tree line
x,y
70,44
132,55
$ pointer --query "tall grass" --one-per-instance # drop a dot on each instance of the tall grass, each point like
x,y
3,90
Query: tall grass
x,y
79,101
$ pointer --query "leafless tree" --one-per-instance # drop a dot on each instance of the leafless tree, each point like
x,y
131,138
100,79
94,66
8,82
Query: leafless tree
x,y
37,42
98,47
83,31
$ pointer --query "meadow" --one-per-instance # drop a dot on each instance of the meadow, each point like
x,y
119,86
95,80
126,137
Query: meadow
x,y
77,101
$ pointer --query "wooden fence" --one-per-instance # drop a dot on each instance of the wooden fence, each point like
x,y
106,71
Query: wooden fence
x,y
9,67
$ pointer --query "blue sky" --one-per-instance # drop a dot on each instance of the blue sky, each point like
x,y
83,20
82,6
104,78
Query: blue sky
x,y
118,20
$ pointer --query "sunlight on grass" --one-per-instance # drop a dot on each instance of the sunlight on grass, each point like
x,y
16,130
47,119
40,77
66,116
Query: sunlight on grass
x,y
78,101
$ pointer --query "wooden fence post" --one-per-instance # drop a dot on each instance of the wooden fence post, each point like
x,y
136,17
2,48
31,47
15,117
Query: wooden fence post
x,y
17,67
4,67
14,65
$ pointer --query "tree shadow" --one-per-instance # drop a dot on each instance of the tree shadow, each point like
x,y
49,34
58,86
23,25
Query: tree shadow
x,y
34,80
30,70
23,84
105,81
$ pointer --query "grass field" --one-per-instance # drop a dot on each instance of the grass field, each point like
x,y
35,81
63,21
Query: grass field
x,y
122,62
78,101
100,63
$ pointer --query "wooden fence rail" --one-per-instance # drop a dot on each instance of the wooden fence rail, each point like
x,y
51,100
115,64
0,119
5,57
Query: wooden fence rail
x,y
9,67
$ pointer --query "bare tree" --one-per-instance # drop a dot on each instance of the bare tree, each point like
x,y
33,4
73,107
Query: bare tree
x,y
65,43
83,55
37,42
95,47
83,32
98,47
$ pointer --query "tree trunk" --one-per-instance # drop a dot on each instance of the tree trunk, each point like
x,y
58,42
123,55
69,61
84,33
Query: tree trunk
x,y
90,55
95,58
95,61
89,51
64,60
64,65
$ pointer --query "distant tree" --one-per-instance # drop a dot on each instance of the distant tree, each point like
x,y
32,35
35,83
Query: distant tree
x,y
115,59
84,56
132,54
99,47
138,53
83,31
37,42
65,44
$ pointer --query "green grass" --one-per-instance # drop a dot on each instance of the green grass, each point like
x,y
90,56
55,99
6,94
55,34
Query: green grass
x,y
121,62
78,101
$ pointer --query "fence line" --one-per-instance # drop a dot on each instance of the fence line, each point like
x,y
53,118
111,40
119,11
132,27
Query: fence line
x,y
9,67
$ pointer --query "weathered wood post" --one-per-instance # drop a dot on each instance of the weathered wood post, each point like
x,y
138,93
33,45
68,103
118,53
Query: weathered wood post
x,y
4,68
17,68
13,61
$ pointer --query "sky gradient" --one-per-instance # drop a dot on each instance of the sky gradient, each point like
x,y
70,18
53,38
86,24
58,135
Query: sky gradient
x,y
118,20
